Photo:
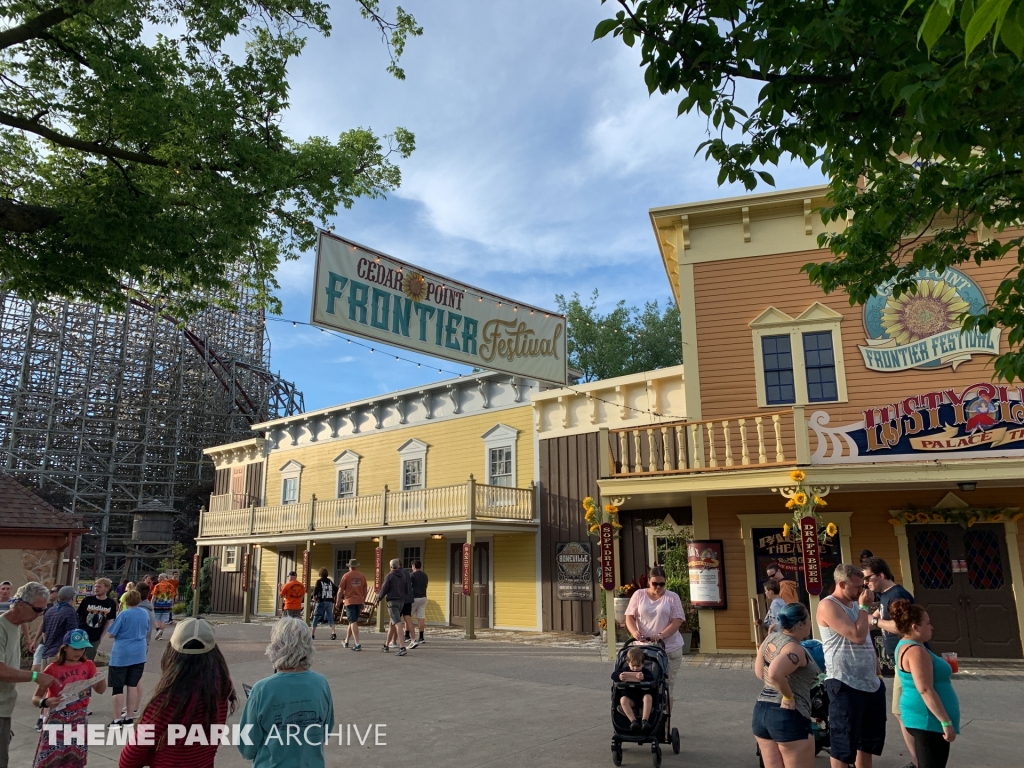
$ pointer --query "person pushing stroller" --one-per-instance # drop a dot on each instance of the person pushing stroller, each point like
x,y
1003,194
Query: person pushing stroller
x,y
636,673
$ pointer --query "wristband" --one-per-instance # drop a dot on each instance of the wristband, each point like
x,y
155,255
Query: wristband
x,y
946,723
35,674
864,608
42,703
787,698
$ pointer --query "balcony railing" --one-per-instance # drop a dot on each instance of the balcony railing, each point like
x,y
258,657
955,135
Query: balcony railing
x,y
777,438
465,501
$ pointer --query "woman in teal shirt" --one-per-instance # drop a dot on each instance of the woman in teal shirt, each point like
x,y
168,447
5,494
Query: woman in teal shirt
x,y
291,712
930,709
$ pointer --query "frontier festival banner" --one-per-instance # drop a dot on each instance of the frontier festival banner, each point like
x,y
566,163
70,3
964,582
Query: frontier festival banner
x,y
370,294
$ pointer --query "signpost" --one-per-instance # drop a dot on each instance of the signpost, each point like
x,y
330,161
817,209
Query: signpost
x,y
370,294
246,587
607,556
812,557
195,584
378,565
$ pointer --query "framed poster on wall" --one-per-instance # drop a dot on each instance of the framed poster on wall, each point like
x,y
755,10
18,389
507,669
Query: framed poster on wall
x,y
706,566
575,580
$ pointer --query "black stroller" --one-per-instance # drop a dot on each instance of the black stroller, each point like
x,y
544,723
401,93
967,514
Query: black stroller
x,y
661,730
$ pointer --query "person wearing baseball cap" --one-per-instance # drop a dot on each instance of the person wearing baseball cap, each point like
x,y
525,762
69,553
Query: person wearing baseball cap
x,y
69,666
194,689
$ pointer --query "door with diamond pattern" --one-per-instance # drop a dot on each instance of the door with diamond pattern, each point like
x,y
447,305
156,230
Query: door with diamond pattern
x,y
962,578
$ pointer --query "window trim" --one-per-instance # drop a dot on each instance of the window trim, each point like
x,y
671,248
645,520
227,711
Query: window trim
x,y
775,322
289,471
500,436
412,449
336,549
347,460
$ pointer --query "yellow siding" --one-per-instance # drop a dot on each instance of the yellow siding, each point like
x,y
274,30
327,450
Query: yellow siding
x,y
435,565
267,578
515,580
321,558
455,452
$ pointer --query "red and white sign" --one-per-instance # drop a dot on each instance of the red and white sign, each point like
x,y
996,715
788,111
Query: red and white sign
x,y
378,565
305,568
195,571
607,556
812,558
467,569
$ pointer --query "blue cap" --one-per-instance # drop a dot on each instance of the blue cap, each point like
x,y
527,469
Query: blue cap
x,y
77,639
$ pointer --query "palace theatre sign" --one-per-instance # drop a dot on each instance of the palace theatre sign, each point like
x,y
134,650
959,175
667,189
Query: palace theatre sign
x,y
370,294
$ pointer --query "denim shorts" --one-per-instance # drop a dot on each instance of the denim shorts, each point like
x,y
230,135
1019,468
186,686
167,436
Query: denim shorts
x,y
352,613
773,722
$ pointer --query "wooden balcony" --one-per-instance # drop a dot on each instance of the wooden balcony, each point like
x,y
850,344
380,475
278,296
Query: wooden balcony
x,y
228,501
751,441
465,501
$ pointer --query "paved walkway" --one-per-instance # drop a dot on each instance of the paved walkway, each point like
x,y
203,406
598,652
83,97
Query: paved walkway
x,y
546,703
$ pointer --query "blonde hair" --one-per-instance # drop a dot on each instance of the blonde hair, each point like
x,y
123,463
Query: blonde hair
x,y
103,581
132,598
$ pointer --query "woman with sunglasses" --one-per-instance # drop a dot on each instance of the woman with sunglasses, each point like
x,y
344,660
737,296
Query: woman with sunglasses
x,y
655,614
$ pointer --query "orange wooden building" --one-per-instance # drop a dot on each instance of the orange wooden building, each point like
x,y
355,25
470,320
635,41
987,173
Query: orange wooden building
x,y
887,407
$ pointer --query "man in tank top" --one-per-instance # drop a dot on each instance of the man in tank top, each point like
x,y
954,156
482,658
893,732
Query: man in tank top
x,y
856,692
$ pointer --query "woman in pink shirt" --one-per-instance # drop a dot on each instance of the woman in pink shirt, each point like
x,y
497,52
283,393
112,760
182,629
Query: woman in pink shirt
x,y
656,614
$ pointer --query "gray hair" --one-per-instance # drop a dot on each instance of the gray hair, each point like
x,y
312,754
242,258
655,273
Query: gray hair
x,y
844,572
28,593
396,563
162,577
291,644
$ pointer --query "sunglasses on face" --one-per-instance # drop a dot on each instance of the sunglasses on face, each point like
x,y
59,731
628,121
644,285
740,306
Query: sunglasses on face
x,y
658,584
19,600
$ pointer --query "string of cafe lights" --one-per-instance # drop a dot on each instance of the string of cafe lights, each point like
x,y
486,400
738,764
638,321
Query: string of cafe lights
x,y
418,364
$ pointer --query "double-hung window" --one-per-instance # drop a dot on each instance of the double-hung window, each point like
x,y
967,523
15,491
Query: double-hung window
x,y
778,370
290,490
346,483
820,365
412,474
500,466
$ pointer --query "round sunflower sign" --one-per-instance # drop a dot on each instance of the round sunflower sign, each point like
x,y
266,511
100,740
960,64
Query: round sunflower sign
x,y
922,329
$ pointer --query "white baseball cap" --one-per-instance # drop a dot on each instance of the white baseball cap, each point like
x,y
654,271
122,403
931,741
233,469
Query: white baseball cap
x,y
194,629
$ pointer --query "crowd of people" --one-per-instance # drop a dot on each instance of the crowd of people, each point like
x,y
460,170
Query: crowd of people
x,y
865,597
195,685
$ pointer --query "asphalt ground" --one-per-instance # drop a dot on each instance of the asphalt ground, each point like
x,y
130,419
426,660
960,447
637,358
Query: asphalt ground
x,y
453,702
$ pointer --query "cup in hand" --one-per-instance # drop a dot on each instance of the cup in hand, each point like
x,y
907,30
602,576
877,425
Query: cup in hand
x,y
950,658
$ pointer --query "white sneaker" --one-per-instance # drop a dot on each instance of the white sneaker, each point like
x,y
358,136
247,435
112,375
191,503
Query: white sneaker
x,y
413,644
159,635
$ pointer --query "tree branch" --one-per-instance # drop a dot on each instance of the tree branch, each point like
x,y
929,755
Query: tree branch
x,y
36,27
24,219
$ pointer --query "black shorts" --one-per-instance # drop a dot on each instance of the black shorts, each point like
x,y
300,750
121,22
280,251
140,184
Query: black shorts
x,y
119,677
406,609
856,720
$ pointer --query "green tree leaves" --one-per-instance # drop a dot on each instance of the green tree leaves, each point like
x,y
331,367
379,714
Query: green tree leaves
x,y
136,151
916,123
625,340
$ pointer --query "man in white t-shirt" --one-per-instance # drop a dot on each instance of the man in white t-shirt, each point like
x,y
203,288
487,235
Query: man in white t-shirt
x,y
656,614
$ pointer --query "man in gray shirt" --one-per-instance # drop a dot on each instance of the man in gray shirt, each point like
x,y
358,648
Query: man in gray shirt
x,y
26,605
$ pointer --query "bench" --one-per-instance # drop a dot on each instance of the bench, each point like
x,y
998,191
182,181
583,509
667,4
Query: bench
x,y
365,615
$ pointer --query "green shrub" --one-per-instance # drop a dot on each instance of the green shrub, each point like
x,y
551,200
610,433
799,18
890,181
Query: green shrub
x,y
181,608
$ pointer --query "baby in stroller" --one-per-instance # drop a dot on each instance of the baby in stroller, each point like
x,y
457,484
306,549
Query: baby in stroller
x,y
636,673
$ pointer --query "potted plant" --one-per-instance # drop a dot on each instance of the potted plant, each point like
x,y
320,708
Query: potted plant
x,y
622,595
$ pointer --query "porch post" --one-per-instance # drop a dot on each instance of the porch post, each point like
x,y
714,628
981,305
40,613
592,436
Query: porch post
x,y
382,615
1016,574
471,597
247,584
603,471
702,530
307,565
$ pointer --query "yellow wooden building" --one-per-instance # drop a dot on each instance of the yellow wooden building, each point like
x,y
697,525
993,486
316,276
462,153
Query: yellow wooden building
x,y
415,473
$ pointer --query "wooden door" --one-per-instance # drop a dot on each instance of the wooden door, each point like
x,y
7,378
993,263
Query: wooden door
x,y
285,565
481,587
988,594
237,487
962,579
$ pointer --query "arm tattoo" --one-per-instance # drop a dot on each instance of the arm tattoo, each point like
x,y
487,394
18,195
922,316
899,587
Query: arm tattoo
x,y
793,657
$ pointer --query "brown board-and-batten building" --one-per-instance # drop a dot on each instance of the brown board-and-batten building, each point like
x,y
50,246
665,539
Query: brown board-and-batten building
x,y
572,427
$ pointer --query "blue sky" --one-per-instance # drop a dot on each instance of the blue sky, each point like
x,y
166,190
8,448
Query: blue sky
x,y
538,155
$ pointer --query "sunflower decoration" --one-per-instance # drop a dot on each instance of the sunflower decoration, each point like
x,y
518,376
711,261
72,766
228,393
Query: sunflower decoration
x,y
819,502
995,517
972,520
911,317
785,531
804,502
800,498
797,476
831,530
414,285
593,519
1018,516
923,517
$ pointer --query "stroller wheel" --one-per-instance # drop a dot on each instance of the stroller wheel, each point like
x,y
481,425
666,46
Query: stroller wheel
x,y
617,753
656,756
675,741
